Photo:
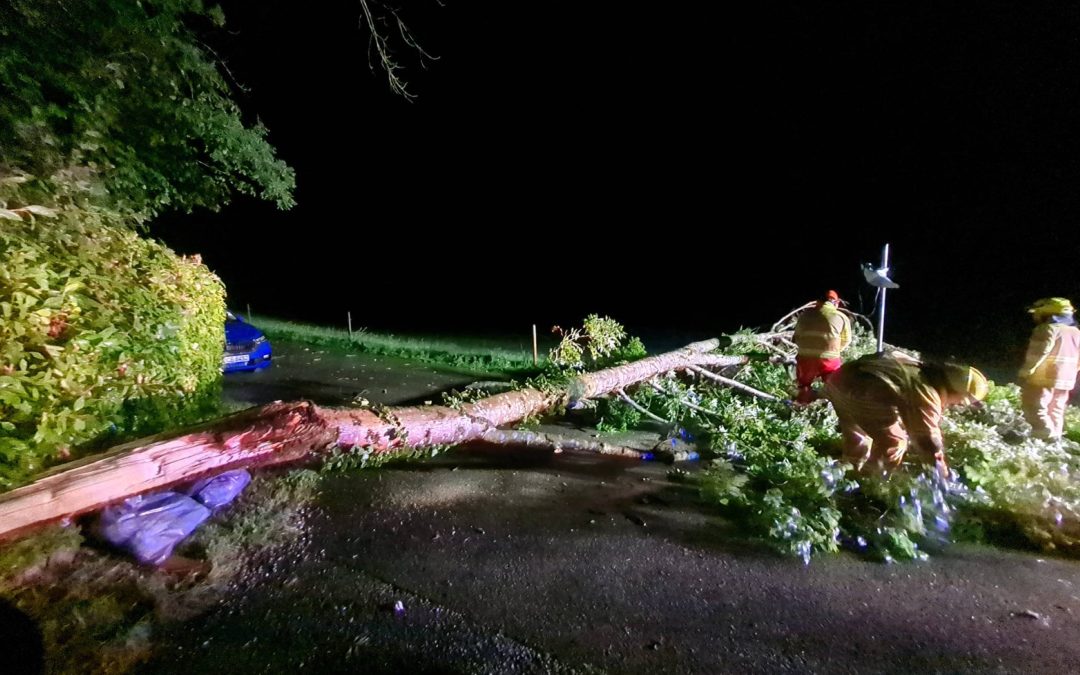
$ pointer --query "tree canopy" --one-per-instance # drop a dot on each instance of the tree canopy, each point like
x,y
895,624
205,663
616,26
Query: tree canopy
x,y
119,104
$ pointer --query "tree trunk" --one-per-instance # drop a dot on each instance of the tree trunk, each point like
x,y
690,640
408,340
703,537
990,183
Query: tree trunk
x,y
286,432
271,434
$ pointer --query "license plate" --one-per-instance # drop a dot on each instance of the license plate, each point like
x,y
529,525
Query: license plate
x,y
239,358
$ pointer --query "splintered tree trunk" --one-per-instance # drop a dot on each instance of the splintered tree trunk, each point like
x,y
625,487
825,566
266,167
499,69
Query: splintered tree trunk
x,y
270,434
287,432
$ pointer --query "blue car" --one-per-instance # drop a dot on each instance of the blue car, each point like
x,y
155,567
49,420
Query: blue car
x,y
246,348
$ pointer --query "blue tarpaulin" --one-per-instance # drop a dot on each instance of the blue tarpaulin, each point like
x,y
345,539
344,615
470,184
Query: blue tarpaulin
x,y
150,526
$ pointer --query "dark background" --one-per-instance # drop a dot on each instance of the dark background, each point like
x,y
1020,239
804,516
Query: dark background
x,y
686,170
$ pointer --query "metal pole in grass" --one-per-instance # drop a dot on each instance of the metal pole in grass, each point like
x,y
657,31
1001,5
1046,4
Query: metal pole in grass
x,y
536,354
880,280
249,312
350,325
884,291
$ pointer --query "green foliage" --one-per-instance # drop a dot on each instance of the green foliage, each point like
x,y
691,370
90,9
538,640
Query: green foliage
x,y
744,342
766,377
102,333
776,473
596,344
614,416
119,104
110,112
863,342
775,469
568,354
1072,424
459,399
896,516
724,484
1026,484
601,342
603,335
790,492
345,460
632,350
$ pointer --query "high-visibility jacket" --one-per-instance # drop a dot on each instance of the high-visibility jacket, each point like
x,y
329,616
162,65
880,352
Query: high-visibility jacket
x,y
822,332
1052,357
877,390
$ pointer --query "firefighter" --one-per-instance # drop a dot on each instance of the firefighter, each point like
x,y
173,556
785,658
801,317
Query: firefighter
x,y
821,334
890,404
1048,375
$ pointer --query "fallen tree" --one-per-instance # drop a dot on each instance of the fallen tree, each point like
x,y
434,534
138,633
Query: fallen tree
x,y
288,432
771,466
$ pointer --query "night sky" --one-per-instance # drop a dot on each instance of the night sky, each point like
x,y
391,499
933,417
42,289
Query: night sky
x,y
686,170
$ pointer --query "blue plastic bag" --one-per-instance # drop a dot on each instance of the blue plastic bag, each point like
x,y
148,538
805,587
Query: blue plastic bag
x,y
150,526
219,490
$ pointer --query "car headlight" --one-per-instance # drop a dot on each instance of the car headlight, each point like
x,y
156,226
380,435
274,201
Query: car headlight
x,y
261,339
